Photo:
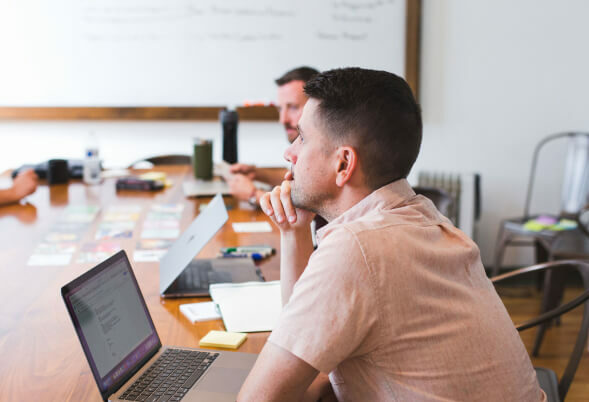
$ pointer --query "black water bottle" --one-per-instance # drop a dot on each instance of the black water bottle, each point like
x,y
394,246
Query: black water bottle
x,y
229,120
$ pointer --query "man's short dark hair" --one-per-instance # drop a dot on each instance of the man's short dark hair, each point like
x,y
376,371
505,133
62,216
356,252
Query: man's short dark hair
x,y
298,74
376,112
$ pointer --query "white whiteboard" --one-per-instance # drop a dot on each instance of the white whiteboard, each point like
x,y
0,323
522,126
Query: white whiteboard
x,y
184,52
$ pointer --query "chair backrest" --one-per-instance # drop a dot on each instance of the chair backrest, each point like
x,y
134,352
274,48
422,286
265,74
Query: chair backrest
x,y
583,268
576,177
441,199
583,219
575,186
173,159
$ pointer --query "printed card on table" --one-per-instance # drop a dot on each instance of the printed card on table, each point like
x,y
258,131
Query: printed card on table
x,y
80,213
52,254
168,208
97,251
116,213
151,250
252,227
115,230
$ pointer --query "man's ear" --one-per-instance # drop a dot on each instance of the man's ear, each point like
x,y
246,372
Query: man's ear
x,y
346,164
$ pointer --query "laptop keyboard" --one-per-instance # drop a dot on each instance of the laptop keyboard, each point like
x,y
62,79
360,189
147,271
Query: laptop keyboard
x,y
196,276
170,377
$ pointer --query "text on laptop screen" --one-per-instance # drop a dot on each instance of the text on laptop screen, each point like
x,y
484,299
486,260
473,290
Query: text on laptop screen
x,y
114,325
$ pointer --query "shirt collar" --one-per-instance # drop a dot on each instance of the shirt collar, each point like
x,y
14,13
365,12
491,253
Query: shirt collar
x,y
388,196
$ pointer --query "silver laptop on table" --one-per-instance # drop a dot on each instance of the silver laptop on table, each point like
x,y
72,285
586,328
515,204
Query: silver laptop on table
x,y
182,276
124,350
205,188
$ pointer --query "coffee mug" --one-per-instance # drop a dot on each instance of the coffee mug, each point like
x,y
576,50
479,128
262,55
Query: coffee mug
x,y
57,171
202,159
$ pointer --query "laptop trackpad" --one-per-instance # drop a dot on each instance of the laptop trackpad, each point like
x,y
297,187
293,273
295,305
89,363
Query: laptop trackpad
x,y
225,380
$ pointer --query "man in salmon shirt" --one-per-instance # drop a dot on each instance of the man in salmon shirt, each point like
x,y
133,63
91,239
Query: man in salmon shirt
x,y
394,304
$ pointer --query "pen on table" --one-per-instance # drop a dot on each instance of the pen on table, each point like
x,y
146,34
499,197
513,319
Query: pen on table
x,y
255,256
246,249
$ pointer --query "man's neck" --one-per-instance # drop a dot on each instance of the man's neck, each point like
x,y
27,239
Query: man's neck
x,y
348,197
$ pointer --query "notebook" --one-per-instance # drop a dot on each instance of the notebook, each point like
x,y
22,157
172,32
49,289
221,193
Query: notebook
x,y
182,276
125,353
248,307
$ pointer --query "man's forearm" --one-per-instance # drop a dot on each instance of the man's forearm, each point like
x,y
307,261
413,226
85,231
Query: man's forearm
x,y
320,390
7,196
295,249
272,176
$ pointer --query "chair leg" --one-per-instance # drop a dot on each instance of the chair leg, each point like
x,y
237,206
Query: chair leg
x,y
551,298
541,255
501,243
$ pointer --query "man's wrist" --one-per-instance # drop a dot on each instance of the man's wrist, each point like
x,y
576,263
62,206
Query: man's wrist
x,y
253,200
297,234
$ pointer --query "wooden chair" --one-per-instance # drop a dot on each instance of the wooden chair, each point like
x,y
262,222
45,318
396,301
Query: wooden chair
x,y
556,390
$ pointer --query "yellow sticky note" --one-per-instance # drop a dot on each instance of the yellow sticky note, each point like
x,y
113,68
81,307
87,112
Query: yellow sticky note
x,y
158,176
222,339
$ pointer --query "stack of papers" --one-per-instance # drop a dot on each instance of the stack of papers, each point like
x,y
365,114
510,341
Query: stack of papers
x,y
248,306
203,311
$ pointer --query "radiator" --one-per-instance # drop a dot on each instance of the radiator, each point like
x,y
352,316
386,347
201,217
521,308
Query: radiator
x,y
464,188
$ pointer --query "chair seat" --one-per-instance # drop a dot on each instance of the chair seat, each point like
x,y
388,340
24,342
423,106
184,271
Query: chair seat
x,y
517,226
548,382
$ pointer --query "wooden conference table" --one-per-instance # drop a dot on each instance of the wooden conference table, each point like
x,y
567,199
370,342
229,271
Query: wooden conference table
x,y
41,358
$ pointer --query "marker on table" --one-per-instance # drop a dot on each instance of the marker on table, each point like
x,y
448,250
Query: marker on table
x,y
249,249
255,256
255,252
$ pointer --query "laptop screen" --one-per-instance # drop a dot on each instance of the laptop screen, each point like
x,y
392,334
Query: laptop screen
x,y
112,321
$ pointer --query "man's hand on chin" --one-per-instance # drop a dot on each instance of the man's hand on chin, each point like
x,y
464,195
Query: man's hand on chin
x,y
278,205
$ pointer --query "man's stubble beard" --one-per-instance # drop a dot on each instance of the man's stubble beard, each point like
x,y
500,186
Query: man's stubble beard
x,y
306,201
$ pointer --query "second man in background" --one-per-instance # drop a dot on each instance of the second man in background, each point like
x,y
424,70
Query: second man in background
x,y
291,100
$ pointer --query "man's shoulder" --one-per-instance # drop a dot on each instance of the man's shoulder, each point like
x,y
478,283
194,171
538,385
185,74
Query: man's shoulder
x,y
412,213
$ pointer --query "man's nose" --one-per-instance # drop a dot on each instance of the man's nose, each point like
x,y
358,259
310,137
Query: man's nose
x,y
290,155
283,116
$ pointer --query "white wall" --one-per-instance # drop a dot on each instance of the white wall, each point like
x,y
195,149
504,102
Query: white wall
x,y
496,77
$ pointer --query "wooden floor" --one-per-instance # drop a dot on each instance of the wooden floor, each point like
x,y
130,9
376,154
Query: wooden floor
x,y
523,303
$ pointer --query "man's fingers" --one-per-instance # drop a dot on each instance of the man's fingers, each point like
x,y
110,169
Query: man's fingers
x,y
289,209
237,168
266,205
277,205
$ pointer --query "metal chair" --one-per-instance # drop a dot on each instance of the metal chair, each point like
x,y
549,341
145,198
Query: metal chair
x,y
556,390
583,219
441,199
574,195
552,245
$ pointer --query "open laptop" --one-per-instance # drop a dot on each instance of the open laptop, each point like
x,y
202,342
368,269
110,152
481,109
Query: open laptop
x,y
124,350
182,276
208,188
205,188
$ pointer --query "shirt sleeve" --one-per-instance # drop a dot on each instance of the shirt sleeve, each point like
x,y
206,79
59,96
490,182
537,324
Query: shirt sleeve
x,y
332,310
